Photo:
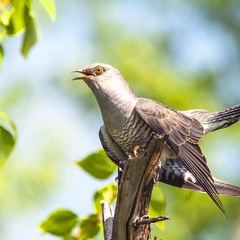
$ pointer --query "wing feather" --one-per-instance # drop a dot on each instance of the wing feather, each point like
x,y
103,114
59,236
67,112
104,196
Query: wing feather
x,y
183,136
175,173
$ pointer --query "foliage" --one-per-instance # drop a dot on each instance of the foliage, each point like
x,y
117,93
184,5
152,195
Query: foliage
x,y
90,225
147,53
8,136
60,222
68,225
98,165
18,16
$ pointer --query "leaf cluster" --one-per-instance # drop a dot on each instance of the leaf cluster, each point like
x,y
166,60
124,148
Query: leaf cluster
x,y
19,16
8,135
67,225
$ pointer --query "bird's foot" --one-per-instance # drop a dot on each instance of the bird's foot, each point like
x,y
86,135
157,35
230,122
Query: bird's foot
x,y
139,151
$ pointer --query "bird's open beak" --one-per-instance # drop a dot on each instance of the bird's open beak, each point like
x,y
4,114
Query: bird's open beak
x,y
84,72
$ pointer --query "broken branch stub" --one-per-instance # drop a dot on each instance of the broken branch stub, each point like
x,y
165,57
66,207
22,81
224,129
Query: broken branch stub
x,y
134,195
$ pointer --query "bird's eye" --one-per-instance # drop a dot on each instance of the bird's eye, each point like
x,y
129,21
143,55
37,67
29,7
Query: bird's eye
x,y
99,70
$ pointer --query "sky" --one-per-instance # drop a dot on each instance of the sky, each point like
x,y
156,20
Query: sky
x,y
45,108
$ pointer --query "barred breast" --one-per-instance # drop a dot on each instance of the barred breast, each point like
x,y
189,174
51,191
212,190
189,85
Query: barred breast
x,y
134,133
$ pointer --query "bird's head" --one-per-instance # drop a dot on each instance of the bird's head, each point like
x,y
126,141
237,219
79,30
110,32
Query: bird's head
x,y
111,91
97,72
103,78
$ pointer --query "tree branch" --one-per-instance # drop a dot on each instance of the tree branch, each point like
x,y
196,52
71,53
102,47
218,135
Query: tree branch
x,y
107,218
135,189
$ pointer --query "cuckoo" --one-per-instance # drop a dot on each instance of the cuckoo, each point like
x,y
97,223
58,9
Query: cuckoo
x,y
130,122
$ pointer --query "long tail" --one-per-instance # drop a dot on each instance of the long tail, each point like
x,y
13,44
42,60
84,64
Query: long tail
x,y
174,173
213,121
223,118
225,188
222,187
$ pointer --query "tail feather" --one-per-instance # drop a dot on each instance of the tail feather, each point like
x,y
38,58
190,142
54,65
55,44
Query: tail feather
x,y
232,113
222,187
225,188
175,174
212,121
229,114
222,119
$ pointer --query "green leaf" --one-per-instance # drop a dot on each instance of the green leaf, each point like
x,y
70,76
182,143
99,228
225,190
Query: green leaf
x,y
157,204
90,227
69,237
7,137
5,16
15,22
49,6
6,121
31,33
98,165
107,193
19,16
1,54
61,222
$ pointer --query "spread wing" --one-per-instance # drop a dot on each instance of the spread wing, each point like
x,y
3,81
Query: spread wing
x,y
183,136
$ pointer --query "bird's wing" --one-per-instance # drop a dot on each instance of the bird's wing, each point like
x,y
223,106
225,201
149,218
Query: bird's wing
x,y
175,174
183,136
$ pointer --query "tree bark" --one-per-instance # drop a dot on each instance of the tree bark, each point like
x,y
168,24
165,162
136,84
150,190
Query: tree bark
x,y
107,218
131,219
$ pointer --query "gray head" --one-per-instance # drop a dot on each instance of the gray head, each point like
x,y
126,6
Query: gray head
x,y
109,87
101,76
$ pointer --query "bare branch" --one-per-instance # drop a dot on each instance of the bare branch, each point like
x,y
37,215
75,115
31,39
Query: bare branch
x,y
107,218
134,193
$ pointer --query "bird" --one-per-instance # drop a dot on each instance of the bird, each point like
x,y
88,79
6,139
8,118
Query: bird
x,y
130,122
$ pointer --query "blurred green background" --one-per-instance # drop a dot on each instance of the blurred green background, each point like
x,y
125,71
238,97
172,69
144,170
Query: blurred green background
x,y
185,54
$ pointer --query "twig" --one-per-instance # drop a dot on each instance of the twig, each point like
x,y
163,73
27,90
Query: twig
x,y
107,218
148,220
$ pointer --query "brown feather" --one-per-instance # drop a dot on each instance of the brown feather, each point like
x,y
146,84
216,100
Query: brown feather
x,y
183,136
